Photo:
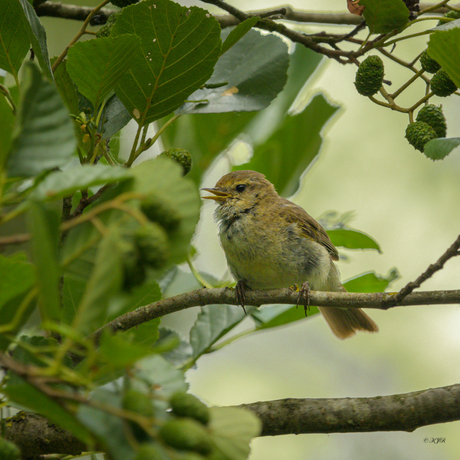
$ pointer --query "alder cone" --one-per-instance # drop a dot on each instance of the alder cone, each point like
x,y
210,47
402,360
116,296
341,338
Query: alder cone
x,y
369,76
186,434
442,85
187,405
432,115
428,63
419,133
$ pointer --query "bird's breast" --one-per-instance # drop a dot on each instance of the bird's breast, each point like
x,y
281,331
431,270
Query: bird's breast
x,y
268,256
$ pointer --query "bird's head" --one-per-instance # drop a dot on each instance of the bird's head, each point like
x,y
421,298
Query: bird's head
x,y
239,191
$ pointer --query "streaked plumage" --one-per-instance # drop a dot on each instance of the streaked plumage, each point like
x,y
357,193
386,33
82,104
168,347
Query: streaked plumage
x,y
270,243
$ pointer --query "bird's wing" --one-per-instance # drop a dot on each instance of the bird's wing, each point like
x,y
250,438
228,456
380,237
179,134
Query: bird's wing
x,y
308,226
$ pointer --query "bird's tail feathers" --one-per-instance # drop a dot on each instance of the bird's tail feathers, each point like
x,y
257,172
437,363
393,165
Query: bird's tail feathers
x,y
345,322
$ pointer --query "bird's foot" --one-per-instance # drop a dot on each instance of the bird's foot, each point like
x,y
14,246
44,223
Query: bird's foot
x,y
304,296
240,291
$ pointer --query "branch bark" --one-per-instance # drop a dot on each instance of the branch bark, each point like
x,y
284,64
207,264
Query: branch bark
x,y
35,435
430,271
201,297
402,412
80,13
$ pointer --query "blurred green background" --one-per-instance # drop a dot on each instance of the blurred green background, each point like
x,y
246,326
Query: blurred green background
x,y
410,205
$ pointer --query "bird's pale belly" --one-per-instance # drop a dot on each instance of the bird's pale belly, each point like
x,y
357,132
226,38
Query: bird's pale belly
x,y
266,263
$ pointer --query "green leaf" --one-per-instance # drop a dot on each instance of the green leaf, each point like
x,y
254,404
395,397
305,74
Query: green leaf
x,y
212,323
96,66
44,136
109,429
28,397
180,47
146,334
279,315
14,43
141,295
69,94
371,282
67,88
303,63
79,251
72,293
232,429
17,277
352,239
449,24
114,117
118,352
437,149
207,136
254,76
156,372
178,355
238,32
444,47
285,155
7,120
105,282
37,37
162,177
24,355
44,227
384,16
60,184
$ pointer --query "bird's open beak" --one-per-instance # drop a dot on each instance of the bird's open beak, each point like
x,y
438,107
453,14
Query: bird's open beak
x,y
219,195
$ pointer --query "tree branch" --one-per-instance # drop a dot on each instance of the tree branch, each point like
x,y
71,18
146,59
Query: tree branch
x,y
267,22
35,435
403,412
380,300
429,272
201,297
65,11
80,13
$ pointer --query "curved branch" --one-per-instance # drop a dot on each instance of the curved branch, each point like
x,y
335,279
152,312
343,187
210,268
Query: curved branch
x,y
201,297
75,12
403,412
430,271
80,13
380,300
287,13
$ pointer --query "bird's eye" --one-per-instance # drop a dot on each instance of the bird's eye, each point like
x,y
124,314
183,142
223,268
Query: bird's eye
x,y
240,187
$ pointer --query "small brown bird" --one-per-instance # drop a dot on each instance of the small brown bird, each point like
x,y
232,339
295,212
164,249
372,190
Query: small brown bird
x,y
271,243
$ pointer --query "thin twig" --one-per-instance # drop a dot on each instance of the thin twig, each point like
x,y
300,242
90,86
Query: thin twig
x,y
86,200
428,273
14,239
80,33
6,92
